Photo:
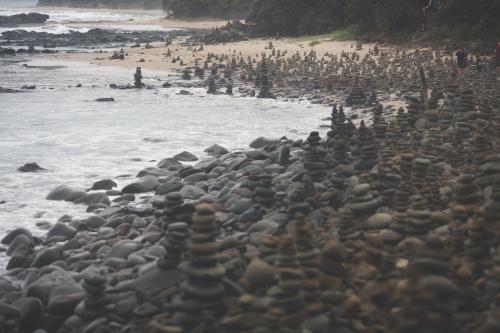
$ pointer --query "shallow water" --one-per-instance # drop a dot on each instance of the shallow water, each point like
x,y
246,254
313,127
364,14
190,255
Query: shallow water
x,y
65,20
80,141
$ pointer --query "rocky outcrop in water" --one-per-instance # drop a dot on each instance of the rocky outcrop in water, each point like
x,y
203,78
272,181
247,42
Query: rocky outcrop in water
x,y
23,19
91,38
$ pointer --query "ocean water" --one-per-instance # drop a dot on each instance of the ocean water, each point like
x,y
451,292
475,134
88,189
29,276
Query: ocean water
x,y
80,141
63,20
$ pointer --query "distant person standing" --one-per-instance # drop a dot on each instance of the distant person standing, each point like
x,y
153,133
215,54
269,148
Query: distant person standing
x,y
497,55
479,64
424,7
461,59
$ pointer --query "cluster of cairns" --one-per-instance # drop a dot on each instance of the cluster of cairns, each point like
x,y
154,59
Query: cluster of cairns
x,y
118,55
389,225
359,80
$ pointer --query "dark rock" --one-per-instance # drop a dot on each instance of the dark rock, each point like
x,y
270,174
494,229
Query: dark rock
x,y
61,229
46,256
185,156
30,167
169,187
145,184
65,193
105,99
21,19
93,198
169,163
105,184
216,150
14,233
262,142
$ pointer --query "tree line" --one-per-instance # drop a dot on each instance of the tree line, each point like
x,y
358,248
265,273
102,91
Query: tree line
x,y
377,18
144,4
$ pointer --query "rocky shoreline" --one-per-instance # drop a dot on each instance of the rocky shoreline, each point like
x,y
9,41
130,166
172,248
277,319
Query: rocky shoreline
x,y
387,226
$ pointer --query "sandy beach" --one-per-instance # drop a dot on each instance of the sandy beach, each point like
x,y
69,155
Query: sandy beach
x,y
155,58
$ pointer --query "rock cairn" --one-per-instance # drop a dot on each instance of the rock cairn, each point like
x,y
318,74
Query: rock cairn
x,y
388,224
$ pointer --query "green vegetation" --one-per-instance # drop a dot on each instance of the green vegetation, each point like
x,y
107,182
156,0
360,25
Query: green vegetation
x,y
345,33
314,42
144,4
462,20
211,8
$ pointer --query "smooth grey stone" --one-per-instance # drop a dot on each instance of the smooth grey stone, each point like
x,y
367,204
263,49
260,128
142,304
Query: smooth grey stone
x,y
151,171
139,222
185,156
191,192
94,198
168,187
197,177
65,193
135,260
170,163
105,184
19,258
95,222
208,164
216,150
46,256
9,311
152,279
145,184
61,229
30,167
20,240
262,142
14,233
113,193
126,197
123,249
241,205
114,222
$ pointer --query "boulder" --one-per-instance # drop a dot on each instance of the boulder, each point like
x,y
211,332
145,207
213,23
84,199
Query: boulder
x,y
65,193
145,184
105,184
21,19
170,163
61,229
262,142
185,156
93,199
30,167
216,151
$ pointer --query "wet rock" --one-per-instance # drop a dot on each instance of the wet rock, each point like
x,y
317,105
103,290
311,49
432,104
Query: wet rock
x,y
61,229
23,19
216,150
185,157
105,184
262,142
145,184
14,233
170,164
65,193
31,167
105,99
